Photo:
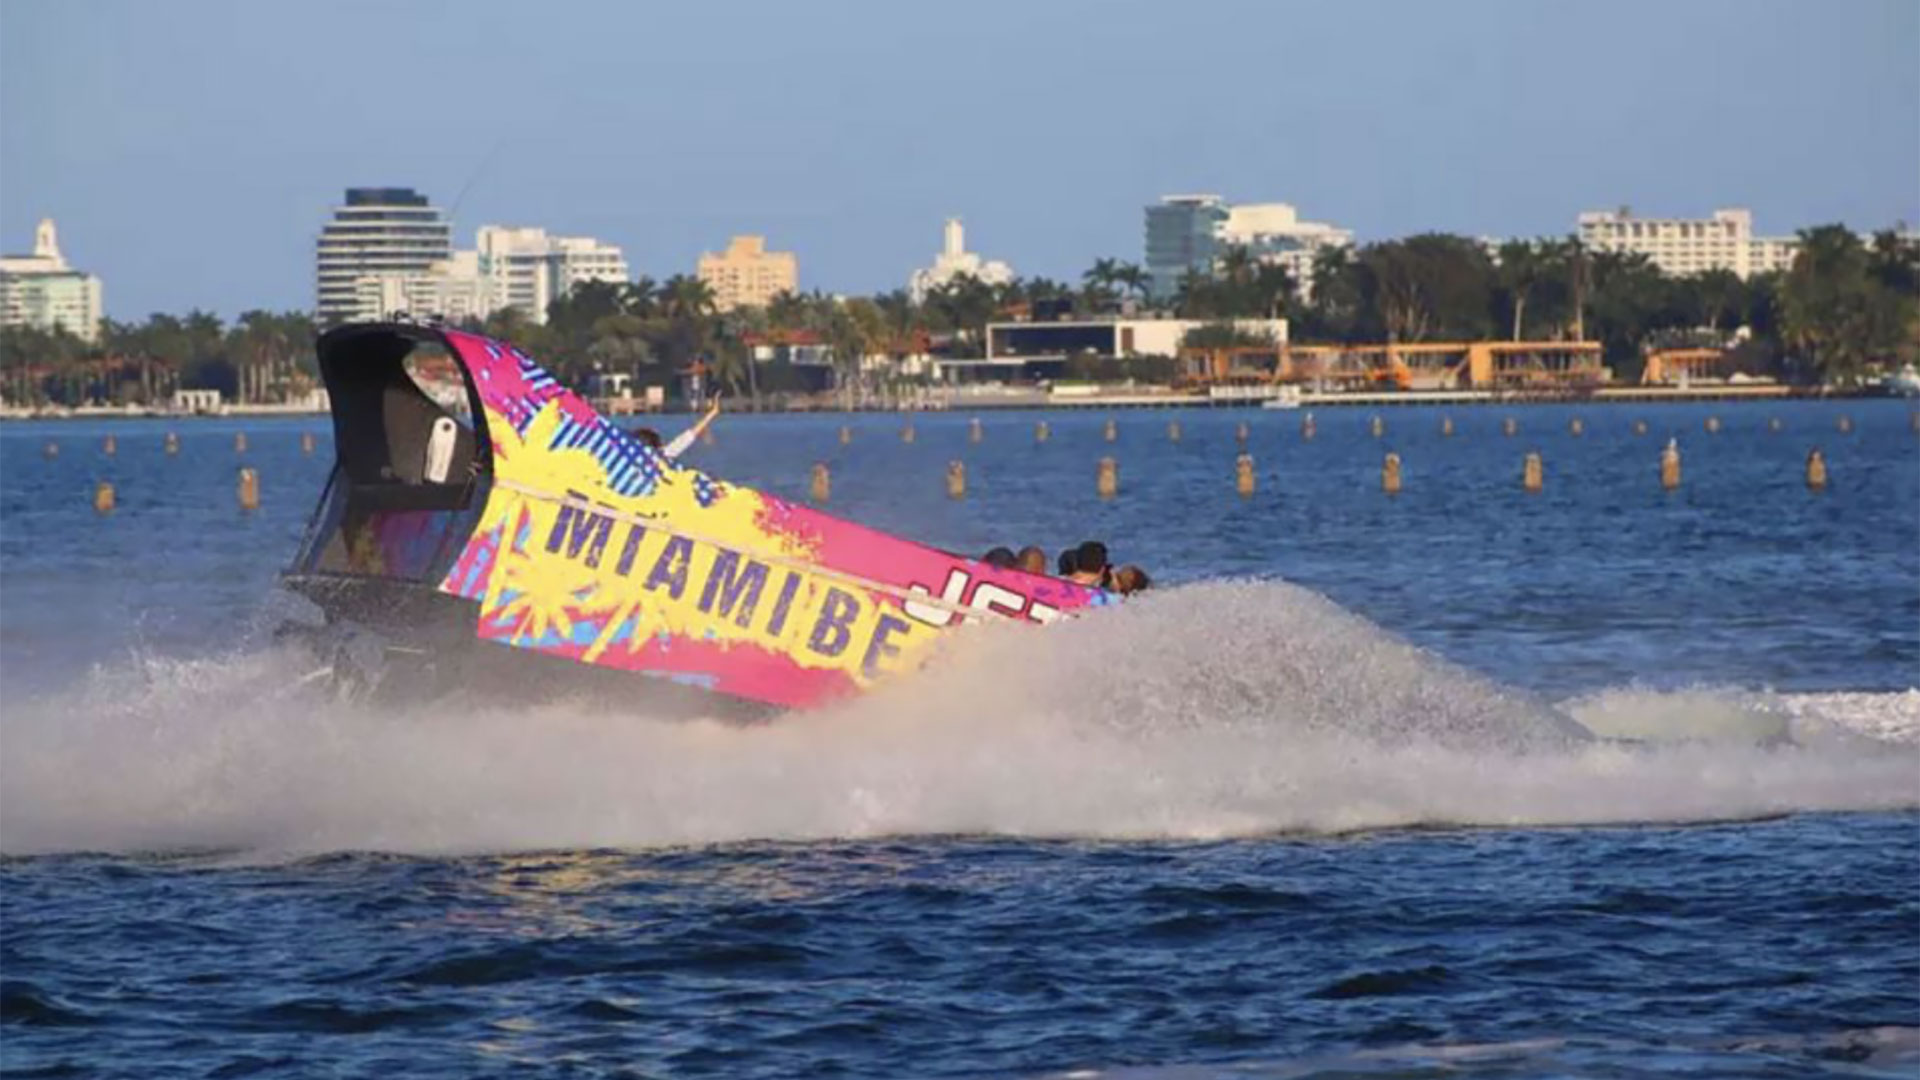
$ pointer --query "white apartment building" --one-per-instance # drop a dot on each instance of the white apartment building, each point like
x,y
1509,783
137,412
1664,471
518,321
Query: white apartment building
x,y
454,290
42,291
1683,246
531,270
1275,233
955,261
378,232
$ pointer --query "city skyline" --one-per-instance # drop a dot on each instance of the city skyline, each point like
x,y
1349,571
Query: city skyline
x,y
208,187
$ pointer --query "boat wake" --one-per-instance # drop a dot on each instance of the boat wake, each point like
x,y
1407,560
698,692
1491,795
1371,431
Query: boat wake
x,y
1210,711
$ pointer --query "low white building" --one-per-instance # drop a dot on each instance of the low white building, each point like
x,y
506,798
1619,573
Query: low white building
x,y
1120,338
198,401
531,270
40,290
1684,246
953,262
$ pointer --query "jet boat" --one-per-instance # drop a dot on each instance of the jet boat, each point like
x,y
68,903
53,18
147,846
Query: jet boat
x,y
493,519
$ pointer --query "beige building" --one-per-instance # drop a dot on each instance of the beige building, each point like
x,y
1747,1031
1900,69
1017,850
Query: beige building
x,y
747,274
1681,246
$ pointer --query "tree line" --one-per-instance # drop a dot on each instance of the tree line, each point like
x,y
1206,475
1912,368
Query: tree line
x,y
1845,309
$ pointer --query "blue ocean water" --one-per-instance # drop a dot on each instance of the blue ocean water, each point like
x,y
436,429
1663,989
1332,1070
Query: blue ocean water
x,y
1300,811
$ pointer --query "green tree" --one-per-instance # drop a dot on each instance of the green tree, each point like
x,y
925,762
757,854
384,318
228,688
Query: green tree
x,y
1518,269
1841,306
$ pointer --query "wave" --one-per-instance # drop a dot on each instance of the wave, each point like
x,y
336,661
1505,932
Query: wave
x,y
1211,711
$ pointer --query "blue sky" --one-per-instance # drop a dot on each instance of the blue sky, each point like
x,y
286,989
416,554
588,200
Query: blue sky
x,y
191,149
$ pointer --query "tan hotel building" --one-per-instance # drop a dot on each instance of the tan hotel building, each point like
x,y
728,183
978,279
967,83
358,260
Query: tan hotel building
x,y
747,274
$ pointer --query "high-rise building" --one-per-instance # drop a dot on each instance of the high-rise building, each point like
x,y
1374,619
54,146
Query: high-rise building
x,y
747,274
530,269
1186,234
955,261
379,232
1182,237
1682,246
41,290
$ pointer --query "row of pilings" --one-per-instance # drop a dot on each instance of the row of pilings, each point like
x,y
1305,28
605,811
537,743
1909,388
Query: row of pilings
x,y
1106,482
1107,472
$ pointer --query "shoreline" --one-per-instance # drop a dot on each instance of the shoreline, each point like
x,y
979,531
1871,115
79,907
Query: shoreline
x,y
1017,401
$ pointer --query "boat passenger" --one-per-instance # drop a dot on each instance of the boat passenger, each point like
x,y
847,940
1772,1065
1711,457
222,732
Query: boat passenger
x,y
1065,562
1090,565
1130,579
1033,559
1000,558
682,441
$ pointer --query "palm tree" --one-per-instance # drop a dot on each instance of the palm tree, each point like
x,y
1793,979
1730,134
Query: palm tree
x,y
786,311
263,345
1131,277
684,297
1518,270
1100,280
1273,286
1236,265
637,297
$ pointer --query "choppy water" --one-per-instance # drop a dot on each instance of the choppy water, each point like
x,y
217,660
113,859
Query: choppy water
x,y
1314,811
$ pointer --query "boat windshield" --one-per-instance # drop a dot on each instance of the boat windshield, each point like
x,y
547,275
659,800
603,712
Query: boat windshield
x,y
411,477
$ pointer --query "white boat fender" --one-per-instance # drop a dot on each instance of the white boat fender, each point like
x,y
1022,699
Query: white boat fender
x,y
440,449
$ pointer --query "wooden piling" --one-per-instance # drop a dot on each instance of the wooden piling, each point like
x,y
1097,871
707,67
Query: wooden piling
x,y
249,490
1390,474
1533,474
1816,470
1243,481
956,480
821,487
1670,465
103,498
1107,483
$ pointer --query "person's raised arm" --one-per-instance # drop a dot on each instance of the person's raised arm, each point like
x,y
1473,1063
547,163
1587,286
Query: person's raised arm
x,y
685,439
